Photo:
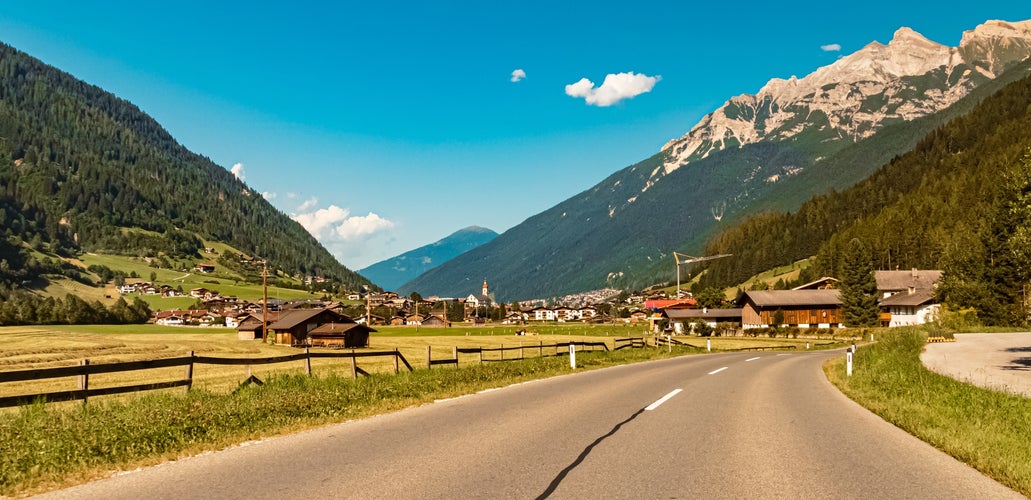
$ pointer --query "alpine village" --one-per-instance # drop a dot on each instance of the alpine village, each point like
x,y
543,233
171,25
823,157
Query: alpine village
x,y
887,191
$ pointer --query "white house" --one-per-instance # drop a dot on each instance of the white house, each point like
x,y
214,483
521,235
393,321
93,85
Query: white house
x,y
907,297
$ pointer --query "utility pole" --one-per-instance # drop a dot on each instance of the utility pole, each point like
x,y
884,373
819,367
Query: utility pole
x,y
264,306
368,305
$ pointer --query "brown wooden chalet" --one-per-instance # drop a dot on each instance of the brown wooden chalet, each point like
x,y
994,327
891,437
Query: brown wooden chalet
x,y
802,308
295,326
349,335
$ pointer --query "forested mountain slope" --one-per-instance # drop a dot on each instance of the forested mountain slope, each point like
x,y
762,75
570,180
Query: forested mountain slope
x,y
392,273
959,201
79,165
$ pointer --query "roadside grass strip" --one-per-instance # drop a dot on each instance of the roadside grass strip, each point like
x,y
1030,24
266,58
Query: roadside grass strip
x,y
988,430
48,446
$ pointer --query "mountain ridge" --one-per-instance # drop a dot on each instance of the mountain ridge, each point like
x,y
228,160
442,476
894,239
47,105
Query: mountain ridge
x,y
393,273
620,232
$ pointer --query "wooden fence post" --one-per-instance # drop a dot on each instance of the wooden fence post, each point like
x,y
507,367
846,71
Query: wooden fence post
x,y
429,357
454,352
502,351
84,381
480,355
189,373
354,365
307,362
540,349
396,367
522,355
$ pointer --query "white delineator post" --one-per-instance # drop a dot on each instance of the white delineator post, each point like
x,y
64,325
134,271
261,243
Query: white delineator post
x,y
572,355
848,362
708,345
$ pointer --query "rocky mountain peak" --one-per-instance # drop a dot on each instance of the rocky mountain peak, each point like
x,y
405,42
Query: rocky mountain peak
x,y
909,77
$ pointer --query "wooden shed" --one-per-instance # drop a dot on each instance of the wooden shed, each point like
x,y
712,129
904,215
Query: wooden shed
x,y
349,335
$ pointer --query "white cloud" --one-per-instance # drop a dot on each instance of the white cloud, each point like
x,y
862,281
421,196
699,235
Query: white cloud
x,y
362,225
237,170
614,89
518,74
334,224
269,195
834,47
307,204
351,239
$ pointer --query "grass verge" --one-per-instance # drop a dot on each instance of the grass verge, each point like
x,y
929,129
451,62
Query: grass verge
x,y
988,430
44,447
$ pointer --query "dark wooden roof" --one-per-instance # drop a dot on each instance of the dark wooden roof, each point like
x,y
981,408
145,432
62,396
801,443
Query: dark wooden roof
x,y
920,279
792,298
290,319
681,313
333,329
918,298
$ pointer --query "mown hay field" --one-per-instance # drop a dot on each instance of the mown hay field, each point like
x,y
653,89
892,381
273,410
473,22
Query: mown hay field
x,y
35,347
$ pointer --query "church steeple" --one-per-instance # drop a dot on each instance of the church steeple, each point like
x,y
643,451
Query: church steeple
x,y
484,287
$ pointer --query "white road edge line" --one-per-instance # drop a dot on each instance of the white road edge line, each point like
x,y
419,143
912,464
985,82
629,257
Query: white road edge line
x,y
751,359
663,399
717,371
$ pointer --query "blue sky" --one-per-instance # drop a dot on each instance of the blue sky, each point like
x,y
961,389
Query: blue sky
x,y
384,126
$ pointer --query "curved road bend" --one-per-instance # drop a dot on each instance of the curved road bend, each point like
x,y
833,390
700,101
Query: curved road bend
x,y
754,425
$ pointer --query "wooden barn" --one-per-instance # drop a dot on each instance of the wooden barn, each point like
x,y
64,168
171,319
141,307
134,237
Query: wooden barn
x,y
340,335
293,327
802,308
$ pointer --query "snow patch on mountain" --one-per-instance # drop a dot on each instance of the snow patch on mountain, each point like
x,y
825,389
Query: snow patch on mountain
x,y
858,94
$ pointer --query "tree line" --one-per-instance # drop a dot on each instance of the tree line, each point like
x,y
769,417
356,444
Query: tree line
x,y
25,308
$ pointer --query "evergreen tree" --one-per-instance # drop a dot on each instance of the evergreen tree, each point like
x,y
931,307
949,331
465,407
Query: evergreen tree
x,y
858,287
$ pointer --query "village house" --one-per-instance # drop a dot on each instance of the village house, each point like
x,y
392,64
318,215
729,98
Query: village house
x,y
434,321
907,297
514,318
638,315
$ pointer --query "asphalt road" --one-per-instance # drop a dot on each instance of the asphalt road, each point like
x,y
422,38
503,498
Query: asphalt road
x,y
760,425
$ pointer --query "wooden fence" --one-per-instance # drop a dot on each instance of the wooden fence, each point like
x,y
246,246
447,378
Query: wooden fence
x,y
85,369
630,343
561,348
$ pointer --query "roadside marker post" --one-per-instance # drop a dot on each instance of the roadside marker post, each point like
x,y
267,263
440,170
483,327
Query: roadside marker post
x,y
708,345
848,362
572,355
